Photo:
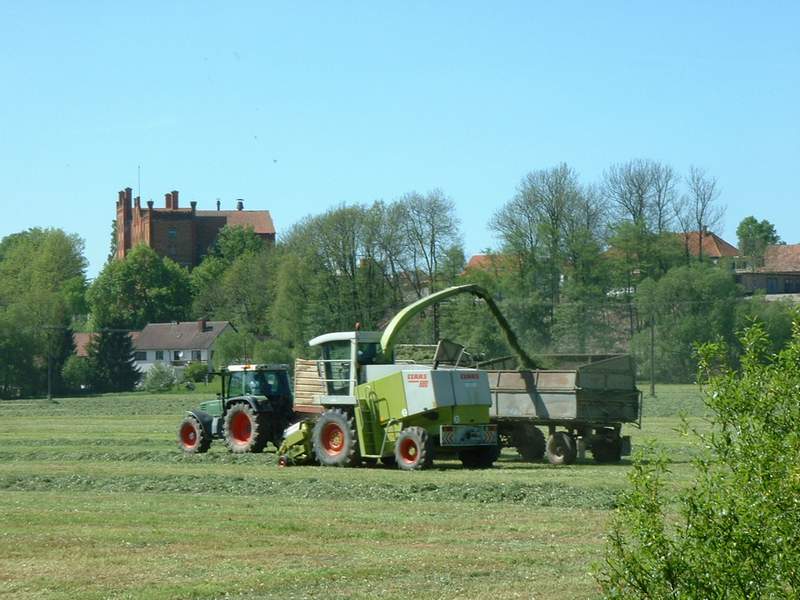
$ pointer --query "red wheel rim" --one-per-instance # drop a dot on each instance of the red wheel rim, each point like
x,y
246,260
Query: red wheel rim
x,y
189,435
332,438
409,451
241,428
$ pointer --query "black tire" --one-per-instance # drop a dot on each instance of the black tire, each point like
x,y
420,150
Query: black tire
x,y
480,457
607,447
334,439
192,436
529,441
244,429
413,449
561,448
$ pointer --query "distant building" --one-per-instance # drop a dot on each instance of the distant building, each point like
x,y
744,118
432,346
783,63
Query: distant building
x,y
83,340
714,247
182,234
777,273
177,344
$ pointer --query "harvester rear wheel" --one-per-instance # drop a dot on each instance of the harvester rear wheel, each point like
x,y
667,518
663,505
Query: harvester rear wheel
x,y
245,430
529,441
561,448
192,436
334,439
481,457
413,449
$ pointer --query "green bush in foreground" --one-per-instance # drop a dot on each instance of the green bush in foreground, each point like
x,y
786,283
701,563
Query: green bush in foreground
x,y
195,372
736,532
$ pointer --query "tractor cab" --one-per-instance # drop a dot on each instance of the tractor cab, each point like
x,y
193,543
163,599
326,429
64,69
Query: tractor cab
x,y
269,381
345,354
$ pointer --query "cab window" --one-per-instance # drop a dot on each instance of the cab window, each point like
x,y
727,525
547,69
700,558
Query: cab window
x,y
337,367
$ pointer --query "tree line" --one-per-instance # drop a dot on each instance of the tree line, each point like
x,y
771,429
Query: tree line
x,y
578,268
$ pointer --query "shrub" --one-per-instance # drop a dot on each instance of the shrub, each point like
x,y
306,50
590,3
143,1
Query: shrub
x,y
160,378
77,373
736,532
195,372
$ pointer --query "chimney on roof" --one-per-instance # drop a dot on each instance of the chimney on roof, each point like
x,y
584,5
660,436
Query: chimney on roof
x,y
168,200
175,199
128,195
137,202
121,198
149,205
201,325
218,203
240,204
193,204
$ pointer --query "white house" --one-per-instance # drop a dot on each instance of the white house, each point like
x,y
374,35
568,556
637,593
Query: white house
x,y
177,344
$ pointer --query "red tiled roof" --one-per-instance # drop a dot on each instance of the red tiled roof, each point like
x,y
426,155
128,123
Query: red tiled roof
x,y
784,258
259,220
485,262
713,245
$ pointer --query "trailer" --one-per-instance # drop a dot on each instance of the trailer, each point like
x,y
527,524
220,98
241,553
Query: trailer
x,y
582,402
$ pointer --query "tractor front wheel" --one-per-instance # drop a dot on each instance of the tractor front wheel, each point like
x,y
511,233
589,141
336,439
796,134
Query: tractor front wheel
x,y
561,448
334,439
413,449
192,436
244,429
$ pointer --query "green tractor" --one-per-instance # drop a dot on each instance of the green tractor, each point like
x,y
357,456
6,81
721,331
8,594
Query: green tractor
x,y
253,408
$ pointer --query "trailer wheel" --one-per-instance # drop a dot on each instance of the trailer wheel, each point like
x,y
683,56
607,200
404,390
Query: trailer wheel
x,y
607,448
192,436
481,457
561,448
413,449
244,429
334,439
529,441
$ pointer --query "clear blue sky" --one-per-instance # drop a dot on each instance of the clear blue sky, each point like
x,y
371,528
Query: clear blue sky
x,y
297,107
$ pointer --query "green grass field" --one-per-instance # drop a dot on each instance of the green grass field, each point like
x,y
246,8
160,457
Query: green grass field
x,y
96,501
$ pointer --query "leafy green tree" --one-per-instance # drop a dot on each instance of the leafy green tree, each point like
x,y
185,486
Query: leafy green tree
x,y
111,362
735,533
143,288
76,373
160,378
689,304
754,236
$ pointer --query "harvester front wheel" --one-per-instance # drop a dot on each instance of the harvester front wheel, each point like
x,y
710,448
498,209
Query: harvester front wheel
x,y
481,457
334,439
192,436
244,429
529,441
413,449
561,448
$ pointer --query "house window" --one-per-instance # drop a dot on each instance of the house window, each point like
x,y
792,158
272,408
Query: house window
x,y
177,355
140,356
772,285
159,355
196,355
787,286
172,233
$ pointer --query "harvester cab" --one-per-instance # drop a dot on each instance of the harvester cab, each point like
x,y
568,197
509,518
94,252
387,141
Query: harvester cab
x,y
254,407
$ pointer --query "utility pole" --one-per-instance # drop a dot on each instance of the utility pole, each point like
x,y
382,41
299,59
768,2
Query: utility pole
x,y
653,354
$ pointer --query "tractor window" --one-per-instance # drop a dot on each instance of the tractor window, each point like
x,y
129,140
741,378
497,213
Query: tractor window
x,y
337,367
235,386
370,354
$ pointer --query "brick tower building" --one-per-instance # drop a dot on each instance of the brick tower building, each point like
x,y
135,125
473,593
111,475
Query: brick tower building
x,y
182,234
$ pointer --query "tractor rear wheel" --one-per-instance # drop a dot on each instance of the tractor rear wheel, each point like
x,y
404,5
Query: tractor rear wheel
x,y
413,449
245,430
192,436
481,457
529,441
561,448
334,439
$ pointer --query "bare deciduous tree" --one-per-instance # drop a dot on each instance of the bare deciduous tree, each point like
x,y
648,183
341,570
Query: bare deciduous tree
x,y
704,211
